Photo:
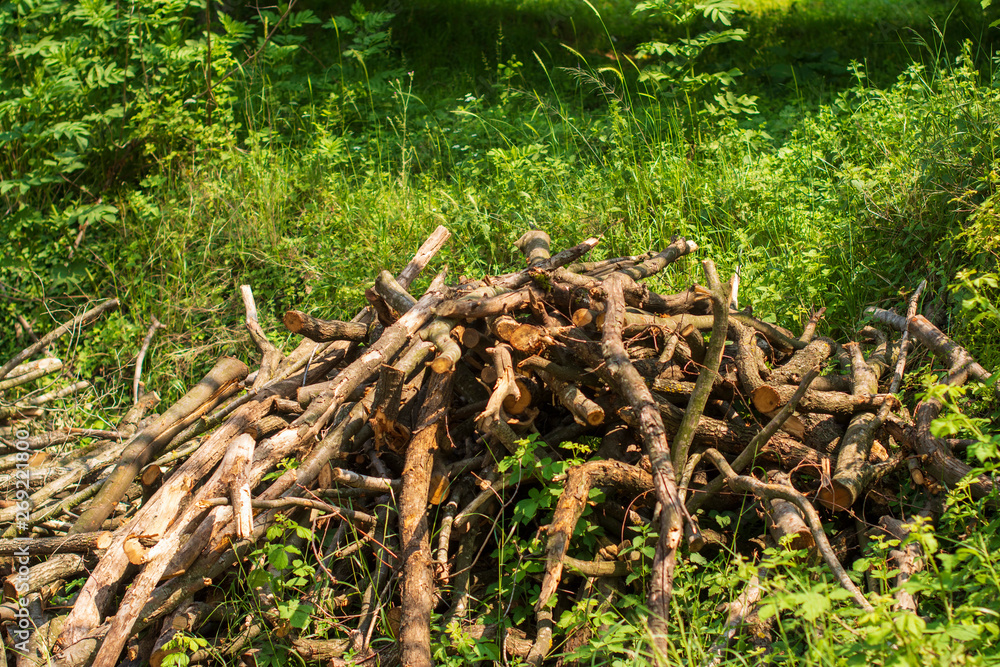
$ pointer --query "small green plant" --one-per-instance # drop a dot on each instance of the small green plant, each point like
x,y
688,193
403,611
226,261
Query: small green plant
x,y
180,647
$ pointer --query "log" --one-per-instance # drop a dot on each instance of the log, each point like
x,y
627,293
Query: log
x,y
81,543
853,473
934,339
416,577
534,245
746,484
79,321
220,383
785,519
584,410
319,330
31,371
769,397
628,383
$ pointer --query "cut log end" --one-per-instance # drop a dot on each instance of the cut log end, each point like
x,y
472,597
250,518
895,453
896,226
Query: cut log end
x,y
836,497
766,399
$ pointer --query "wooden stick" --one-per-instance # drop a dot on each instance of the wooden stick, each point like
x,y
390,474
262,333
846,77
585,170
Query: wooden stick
x,y
324,330
221,382
629,384
534,245
932,338
83,543
750,453
142,356
752,485
78,321
706,378
31,371
416,577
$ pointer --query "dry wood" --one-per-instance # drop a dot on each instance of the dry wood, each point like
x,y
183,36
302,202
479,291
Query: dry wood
x,y
621,478
79,321
31,371
493,419
449,352
745,484
706,378
769,397
934,339
416,577
853,473
738,612
906,559
785,519
146,342
319,330
220,383
394,294
534,245
82,543
238,458
628,383
55,568
584,410
757,445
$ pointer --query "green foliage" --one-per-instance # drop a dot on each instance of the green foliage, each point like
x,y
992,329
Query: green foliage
x,y
676,73
178,649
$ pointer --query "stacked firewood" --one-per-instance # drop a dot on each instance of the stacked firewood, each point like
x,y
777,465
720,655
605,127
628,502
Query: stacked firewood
x,y
413,404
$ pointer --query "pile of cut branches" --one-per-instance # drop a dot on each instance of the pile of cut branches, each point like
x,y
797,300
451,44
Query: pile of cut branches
x,y
422,402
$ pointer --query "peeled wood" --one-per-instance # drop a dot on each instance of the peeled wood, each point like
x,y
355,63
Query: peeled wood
x,y
157,514
319,330
221,382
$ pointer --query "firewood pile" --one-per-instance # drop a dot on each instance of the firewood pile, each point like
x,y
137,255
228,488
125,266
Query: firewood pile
x,y
397,424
